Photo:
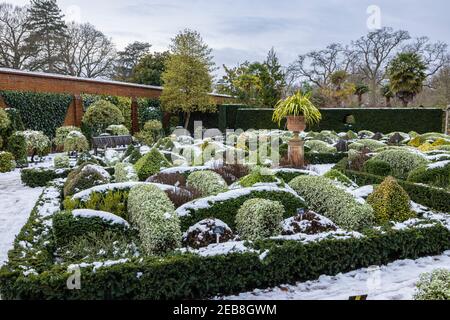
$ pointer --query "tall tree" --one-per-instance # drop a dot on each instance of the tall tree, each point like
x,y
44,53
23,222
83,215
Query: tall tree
x,y
406,75
47,32
150,68
187,79
272,79
374,52
15,51
128,59
86,52
441,84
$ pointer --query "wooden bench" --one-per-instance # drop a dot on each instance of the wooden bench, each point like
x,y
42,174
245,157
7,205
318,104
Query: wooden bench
x,y
119,143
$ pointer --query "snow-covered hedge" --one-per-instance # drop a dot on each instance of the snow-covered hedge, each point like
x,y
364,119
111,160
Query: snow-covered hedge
x,y
153,213
207,182
75,141
61,161
402,162
124,172
150,164
7,162
317,146
370,144
259,218
202,233
85,177
333,202
434,286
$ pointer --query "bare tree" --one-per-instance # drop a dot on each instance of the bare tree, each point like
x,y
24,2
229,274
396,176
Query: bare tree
x,y
86,52
317,66
374,52
15,52
434,55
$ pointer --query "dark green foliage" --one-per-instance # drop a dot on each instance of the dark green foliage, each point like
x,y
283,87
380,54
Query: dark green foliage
x,y
324,158
149,109
67,228
40,177
194,277
433,198
377,167
150,164
82,178
39,111
287,176
16,121
437,177
17,145
227,210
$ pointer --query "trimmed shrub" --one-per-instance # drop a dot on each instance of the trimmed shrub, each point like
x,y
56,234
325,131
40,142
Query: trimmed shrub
x,y
370,144
61,162
434,286
101,114
62,133
436,175
324,158
377,167
153,213
338,176
334,203
259,218
257,175
40,177
37,143
307,223
317,146
117,130
390,202
7,162
207,182
16,121
145,137
76,142
150,164
202,234
85,177
124,172
4,120
67,226
402,162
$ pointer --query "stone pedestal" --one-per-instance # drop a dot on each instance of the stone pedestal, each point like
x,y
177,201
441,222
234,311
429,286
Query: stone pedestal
x,y
296,152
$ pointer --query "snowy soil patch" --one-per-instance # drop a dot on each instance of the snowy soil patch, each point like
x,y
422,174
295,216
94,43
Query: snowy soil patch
x,y
395,281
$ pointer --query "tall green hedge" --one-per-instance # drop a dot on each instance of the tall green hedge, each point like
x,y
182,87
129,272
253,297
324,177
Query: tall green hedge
x,y
376,120
39,111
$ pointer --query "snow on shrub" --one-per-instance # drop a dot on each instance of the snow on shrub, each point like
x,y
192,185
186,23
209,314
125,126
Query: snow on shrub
x,y
202,233
436,174
112,157
37,142
62,133
365,134
317,146
333,202
390,202
402,161
154,214
258,175
150,164
370,144
101,114
75,142
434,286
207,182
308,223
85,177
118,130
4,119
339,177
61,161
259,218
7,162
124,172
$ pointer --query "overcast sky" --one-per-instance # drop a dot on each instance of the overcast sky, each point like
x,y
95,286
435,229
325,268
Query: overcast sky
x,y
240,30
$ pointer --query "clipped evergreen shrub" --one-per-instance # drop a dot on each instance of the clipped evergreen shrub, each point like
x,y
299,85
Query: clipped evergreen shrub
x,y
390,202
324,197
17,145
101,114
85,177
152,212
117,130
338,176
76,142
377,167
124,172
434,286
259,218
61,162
402,162
62,133
37,143
257,175
7,162
317,146
150,164
4,120
437,175
207,182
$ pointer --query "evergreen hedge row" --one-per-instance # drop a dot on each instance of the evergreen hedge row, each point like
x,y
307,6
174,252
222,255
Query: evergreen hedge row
x,y
434,198
39,111
41,177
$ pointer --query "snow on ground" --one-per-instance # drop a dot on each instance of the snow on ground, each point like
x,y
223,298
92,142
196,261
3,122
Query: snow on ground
x,y
395,281
321,169
16,203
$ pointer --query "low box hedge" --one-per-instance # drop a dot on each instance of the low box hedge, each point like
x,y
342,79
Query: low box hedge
x,y
324,158
434,198
41,177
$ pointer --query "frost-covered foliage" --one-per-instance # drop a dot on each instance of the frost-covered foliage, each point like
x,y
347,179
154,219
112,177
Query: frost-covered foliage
x,y
402,162
85,177
7,162
318,146
101,114
118,130
390,202
370,144
61,161
124,172
259,218
37,142
258,175
202,233
112,157
62,133
154,215
150,164
338,176
333,202
207,182
307,223
434,286
437,174
75,142
4,119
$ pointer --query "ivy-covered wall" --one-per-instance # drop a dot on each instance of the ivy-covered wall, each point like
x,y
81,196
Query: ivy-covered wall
x,y
39,111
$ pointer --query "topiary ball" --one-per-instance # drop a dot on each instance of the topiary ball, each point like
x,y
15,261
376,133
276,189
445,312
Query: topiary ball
x,y
150,164
377,167
207,182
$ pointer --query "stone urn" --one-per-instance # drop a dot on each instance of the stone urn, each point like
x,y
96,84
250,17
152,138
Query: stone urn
x,y
296,124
